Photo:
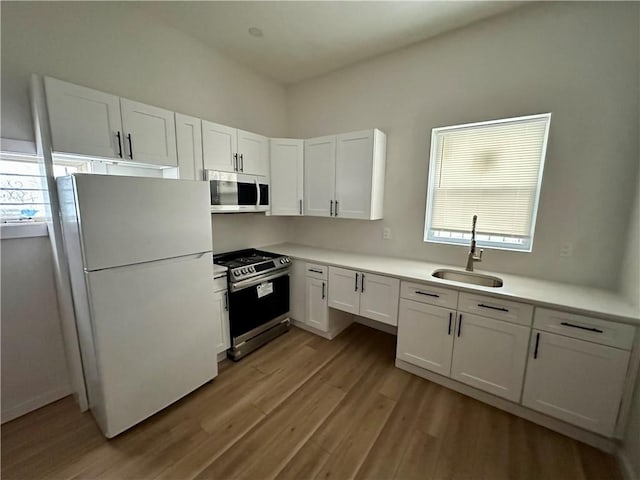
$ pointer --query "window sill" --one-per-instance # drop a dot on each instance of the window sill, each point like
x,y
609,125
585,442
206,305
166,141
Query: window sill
x,y
23,230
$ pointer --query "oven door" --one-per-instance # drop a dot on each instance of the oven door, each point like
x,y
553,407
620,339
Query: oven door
x,y
254,305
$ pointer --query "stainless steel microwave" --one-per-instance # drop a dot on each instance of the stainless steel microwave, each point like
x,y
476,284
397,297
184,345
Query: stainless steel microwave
x,y
238,192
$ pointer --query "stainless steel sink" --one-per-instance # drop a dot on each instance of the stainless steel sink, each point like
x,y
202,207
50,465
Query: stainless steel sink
x,y
468,277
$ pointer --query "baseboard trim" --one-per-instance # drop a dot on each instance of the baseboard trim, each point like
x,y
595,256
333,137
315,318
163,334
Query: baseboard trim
x,y
626,468
34,403
597,441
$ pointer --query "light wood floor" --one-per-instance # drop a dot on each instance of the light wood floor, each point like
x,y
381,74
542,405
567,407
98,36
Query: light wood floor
x,y
304,407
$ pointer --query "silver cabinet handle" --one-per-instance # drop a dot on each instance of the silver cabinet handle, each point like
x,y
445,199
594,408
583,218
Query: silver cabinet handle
x,y
235,162
226,301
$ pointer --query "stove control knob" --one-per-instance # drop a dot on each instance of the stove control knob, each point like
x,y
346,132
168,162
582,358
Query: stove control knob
x,y
236,273
252,269
244,270
287,259
282,260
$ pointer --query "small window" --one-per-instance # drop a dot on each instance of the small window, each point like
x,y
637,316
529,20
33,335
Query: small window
x,y
489,169
24,196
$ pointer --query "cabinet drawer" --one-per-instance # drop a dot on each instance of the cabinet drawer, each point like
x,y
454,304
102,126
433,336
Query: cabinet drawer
x,y
585,328
423,293
492,307
220,283
313,270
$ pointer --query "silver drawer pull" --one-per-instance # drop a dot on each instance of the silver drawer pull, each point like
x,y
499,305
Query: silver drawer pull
x,y
502,309
590,329
427,294
315,271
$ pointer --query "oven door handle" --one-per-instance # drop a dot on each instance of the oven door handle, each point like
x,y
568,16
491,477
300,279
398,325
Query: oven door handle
x,y
251,282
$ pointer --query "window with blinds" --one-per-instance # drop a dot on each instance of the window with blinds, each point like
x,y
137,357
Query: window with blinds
x,y
490,169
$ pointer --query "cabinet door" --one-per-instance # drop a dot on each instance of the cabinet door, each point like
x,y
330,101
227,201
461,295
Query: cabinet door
x,y
219,145
297,308
576,381
490,355
316,299
319,176
354,170
253,153
221,321
189,143
153,133
379,298
344,290
287,176
425,336
83,121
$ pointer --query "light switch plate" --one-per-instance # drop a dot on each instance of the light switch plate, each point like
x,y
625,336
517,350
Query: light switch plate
x,y
386,233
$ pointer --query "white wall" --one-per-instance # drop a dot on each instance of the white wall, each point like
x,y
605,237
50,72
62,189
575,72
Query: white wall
x,y
111,47
34,369
578,61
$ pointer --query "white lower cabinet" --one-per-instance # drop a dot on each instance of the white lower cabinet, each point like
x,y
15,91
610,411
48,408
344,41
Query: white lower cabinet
x,y
490,355
576,381
344,290
317,310
221,320
425,336
365,294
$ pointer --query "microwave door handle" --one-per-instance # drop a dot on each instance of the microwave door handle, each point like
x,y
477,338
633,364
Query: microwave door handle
x,y
258,193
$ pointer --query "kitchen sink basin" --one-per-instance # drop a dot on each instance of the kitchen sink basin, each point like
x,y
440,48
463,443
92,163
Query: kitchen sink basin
x,y
468,277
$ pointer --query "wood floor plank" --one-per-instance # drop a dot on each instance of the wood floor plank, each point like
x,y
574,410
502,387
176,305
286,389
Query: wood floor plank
x,y
385,455
305,464
304,407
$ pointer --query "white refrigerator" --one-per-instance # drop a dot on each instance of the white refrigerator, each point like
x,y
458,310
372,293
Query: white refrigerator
x,y
140,261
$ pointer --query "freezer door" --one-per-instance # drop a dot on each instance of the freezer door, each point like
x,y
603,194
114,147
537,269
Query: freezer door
x,y
127,220
154,335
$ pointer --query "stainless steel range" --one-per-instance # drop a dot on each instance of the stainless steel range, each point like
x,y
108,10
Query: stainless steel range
x,y
258,298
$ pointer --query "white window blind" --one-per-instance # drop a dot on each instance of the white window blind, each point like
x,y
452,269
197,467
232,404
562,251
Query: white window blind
x,y
490,169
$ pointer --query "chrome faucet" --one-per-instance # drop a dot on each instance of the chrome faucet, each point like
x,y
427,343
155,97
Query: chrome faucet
x,y
471,256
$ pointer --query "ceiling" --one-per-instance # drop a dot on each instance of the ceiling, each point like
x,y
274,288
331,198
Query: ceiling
x,y
304,39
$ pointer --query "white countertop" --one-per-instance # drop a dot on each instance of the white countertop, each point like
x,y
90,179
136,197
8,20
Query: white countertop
x,y
585,300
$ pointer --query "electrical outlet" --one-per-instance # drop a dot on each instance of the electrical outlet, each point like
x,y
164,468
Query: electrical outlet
x,y
386,233
566,250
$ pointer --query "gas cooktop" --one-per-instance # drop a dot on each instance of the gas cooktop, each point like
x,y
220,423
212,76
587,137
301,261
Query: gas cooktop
x,y
249,263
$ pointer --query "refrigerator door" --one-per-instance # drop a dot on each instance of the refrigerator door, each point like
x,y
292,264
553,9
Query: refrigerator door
x,y
128,220
154,337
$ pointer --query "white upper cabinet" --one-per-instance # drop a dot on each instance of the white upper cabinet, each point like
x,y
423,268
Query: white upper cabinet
x,y
319,176
253,153
219,144
490,355
360,165
287,176
189,145
344,175
425,336
576,381
84,121
231,150
150,133
97,124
